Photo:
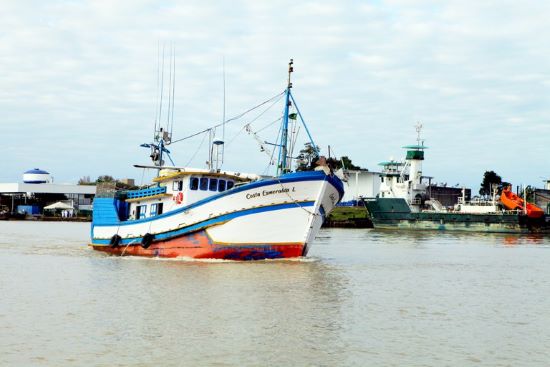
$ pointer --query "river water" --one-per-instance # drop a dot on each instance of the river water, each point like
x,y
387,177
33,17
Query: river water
x,y
361,297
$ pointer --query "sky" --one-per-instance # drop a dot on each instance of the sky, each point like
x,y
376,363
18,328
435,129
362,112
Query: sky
x,y
79,83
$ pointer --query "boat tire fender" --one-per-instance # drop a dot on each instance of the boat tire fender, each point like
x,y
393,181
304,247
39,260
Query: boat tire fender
x,y
147,240
115,241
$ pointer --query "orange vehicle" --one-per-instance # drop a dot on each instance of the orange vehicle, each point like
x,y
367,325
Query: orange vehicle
x,y
511,201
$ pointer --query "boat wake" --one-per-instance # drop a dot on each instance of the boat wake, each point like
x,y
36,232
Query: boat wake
x,y
186,259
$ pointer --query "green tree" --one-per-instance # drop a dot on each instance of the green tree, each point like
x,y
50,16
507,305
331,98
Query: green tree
x,y
489,178
85,180
307,157
529,193
348,164
105,178
343,162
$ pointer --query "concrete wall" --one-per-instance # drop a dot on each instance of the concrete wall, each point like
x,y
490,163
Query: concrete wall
x,y
361,183
7,188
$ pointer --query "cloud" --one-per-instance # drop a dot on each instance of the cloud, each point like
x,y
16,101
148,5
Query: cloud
x,y
79,80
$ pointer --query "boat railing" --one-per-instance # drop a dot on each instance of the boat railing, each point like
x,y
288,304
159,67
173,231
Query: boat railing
x,y
149,191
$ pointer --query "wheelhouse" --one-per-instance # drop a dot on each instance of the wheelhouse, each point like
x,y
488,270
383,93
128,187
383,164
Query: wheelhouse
x,y
174,190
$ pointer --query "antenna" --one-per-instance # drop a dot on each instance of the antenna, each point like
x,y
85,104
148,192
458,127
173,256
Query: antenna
x,y
211,133
173,87
290,70
418,128
158,90
161,86
223,126
169,91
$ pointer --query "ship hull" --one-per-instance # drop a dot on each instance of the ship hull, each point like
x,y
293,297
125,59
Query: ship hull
x,y
276,218
200,246
395,214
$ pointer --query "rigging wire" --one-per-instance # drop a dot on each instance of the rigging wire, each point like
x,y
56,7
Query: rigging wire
x,y
236,135
270,124
196,151
256,118
273,152
231,119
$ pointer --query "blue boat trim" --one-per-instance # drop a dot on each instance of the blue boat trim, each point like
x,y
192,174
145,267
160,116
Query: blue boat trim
x,y
207,223
338,185
287,178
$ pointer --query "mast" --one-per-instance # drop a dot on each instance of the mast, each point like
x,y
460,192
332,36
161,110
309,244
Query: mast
x,y
282,166
162,137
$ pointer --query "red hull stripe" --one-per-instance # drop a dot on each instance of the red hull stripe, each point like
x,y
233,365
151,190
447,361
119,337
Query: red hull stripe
x,y
198,245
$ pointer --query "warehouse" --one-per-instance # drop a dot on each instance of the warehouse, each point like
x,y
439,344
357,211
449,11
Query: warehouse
x,y
37,191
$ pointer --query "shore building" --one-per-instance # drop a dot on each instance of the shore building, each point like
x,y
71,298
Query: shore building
x,y
361,183
37,190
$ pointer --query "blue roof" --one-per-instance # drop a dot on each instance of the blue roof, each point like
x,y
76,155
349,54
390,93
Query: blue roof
x,y
38,171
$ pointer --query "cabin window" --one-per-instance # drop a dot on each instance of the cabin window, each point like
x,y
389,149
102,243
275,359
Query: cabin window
x,y
156,209
230,185
141,211
194,183
204,184
221,185
213,184
177,185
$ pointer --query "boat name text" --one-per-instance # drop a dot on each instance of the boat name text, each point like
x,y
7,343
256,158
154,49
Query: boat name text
x,y
269,192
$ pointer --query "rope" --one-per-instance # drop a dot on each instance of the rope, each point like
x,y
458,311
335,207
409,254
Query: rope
x,y
294,200
129,243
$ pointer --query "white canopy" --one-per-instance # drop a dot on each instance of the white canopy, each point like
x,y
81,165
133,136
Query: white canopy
x,y
58,205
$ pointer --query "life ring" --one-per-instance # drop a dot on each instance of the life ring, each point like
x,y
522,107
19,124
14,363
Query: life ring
x,y
115,241
178,198
147,240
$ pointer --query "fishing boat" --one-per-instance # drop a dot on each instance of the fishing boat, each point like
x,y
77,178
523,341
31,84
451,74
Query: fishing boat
x,y
404,202
213,213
